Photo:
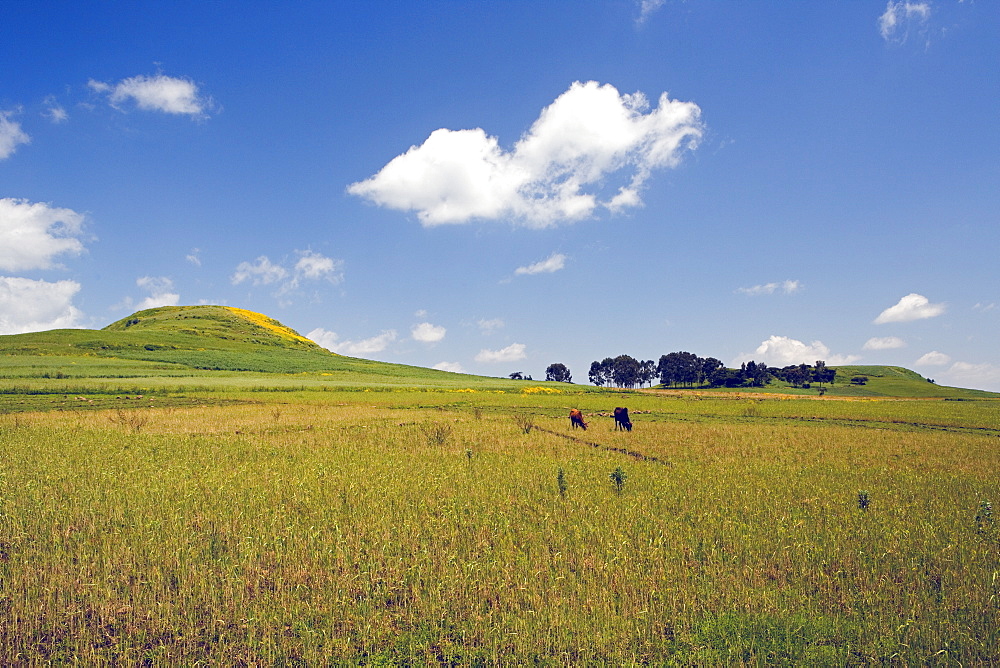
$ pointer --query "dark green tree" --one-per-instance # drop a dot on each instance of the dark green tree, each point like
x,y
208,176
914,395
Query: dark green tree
x,y
559,373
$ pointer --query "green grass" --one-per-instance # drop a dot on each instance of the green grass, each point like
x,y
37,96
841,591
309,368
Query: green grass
x,y
353,513
408,527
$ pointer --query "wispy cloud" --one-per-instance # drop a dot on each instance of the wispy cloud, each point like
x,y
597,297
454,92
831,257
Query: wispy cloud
x,y
488,326
32,235
555,173
310,266
28,305
551,264
784,287
909,308
11,135
900,17
781,351
884,343
362,348
169,95
512,353
647,8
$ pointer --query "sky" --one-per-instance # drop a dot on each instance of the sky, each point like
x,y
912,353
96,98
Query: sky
x,y
494,187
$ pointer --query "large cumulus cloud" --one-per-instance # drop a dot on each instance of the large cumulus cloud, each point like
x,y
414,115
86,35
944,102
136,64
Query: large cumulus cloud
x,y
564,168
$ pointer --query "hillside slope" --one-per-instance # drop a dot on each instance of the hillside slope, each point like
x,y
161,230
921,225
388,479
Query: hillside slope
x,y
218,338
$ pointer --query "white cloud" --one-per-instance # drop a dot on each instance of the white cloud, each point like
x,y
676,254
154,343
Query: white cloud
x,y
933,358
314,266
454,367
32,306
159,289
786,287
552,263
982,376
894,24
362,348
556,172
54,111
490,326
260,272
11,135
156,93
194,257
884,343
425,332
32,234
310,266
911,307
511,353
782,351
647,8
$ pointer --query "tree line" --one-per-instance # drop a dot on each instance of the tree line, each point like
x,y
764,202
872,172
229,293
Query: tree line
x,y
684,369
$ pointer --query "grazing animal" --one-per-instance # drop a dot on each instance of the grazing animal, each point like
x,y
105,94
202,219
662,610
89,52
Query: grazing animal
x,y
621,419
576,419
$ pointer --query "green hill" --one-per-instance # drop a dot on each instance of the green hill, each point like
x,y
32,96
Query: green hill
x,y
170,340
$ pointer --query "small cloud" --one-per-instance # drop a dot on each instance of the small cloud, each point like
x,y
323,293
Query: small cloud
x,y
984,307
781,351
310,266
490,326
170,95
900,16
511,353
425,332
933,358
32,306
194,257
551,264
260,272
647,8
563,169
785,287
454,367
159,289
33,234
911,307
884,343
11,135
313,266
54,111
362,348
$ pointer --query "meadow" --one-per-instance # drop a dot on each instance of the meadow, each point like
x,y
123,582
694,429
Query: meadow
x,y
148,518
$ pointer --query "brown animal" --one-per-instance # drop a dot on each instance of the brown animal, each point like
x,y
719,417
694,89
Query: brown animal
x,y
576,419
621,419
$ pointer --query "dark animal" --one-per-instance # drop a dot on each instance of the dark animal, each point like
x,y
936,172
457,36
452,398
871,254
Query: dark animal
x,y
621,419
576,419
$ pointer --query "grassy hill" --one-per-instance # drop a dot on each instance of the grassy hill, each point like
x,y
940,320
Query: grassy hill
x,y
196,342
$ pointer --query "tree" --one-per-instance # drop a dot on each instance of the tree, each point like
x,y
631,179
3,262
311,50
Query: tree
x,y
596,375
559,373
713,372
517,375
647,372
625,371
679,368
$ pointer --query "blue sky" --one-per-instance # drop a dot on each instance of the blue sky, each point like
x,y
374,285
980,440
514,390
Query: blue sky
x,y
493,187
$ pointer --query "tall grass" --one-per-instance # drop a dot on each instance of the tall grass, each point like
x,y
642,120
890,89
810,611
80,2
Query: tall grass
x,y
360,530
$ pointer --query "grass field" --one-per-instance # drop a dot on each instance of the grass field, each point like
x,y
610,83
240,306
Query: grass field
x,y
157,514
